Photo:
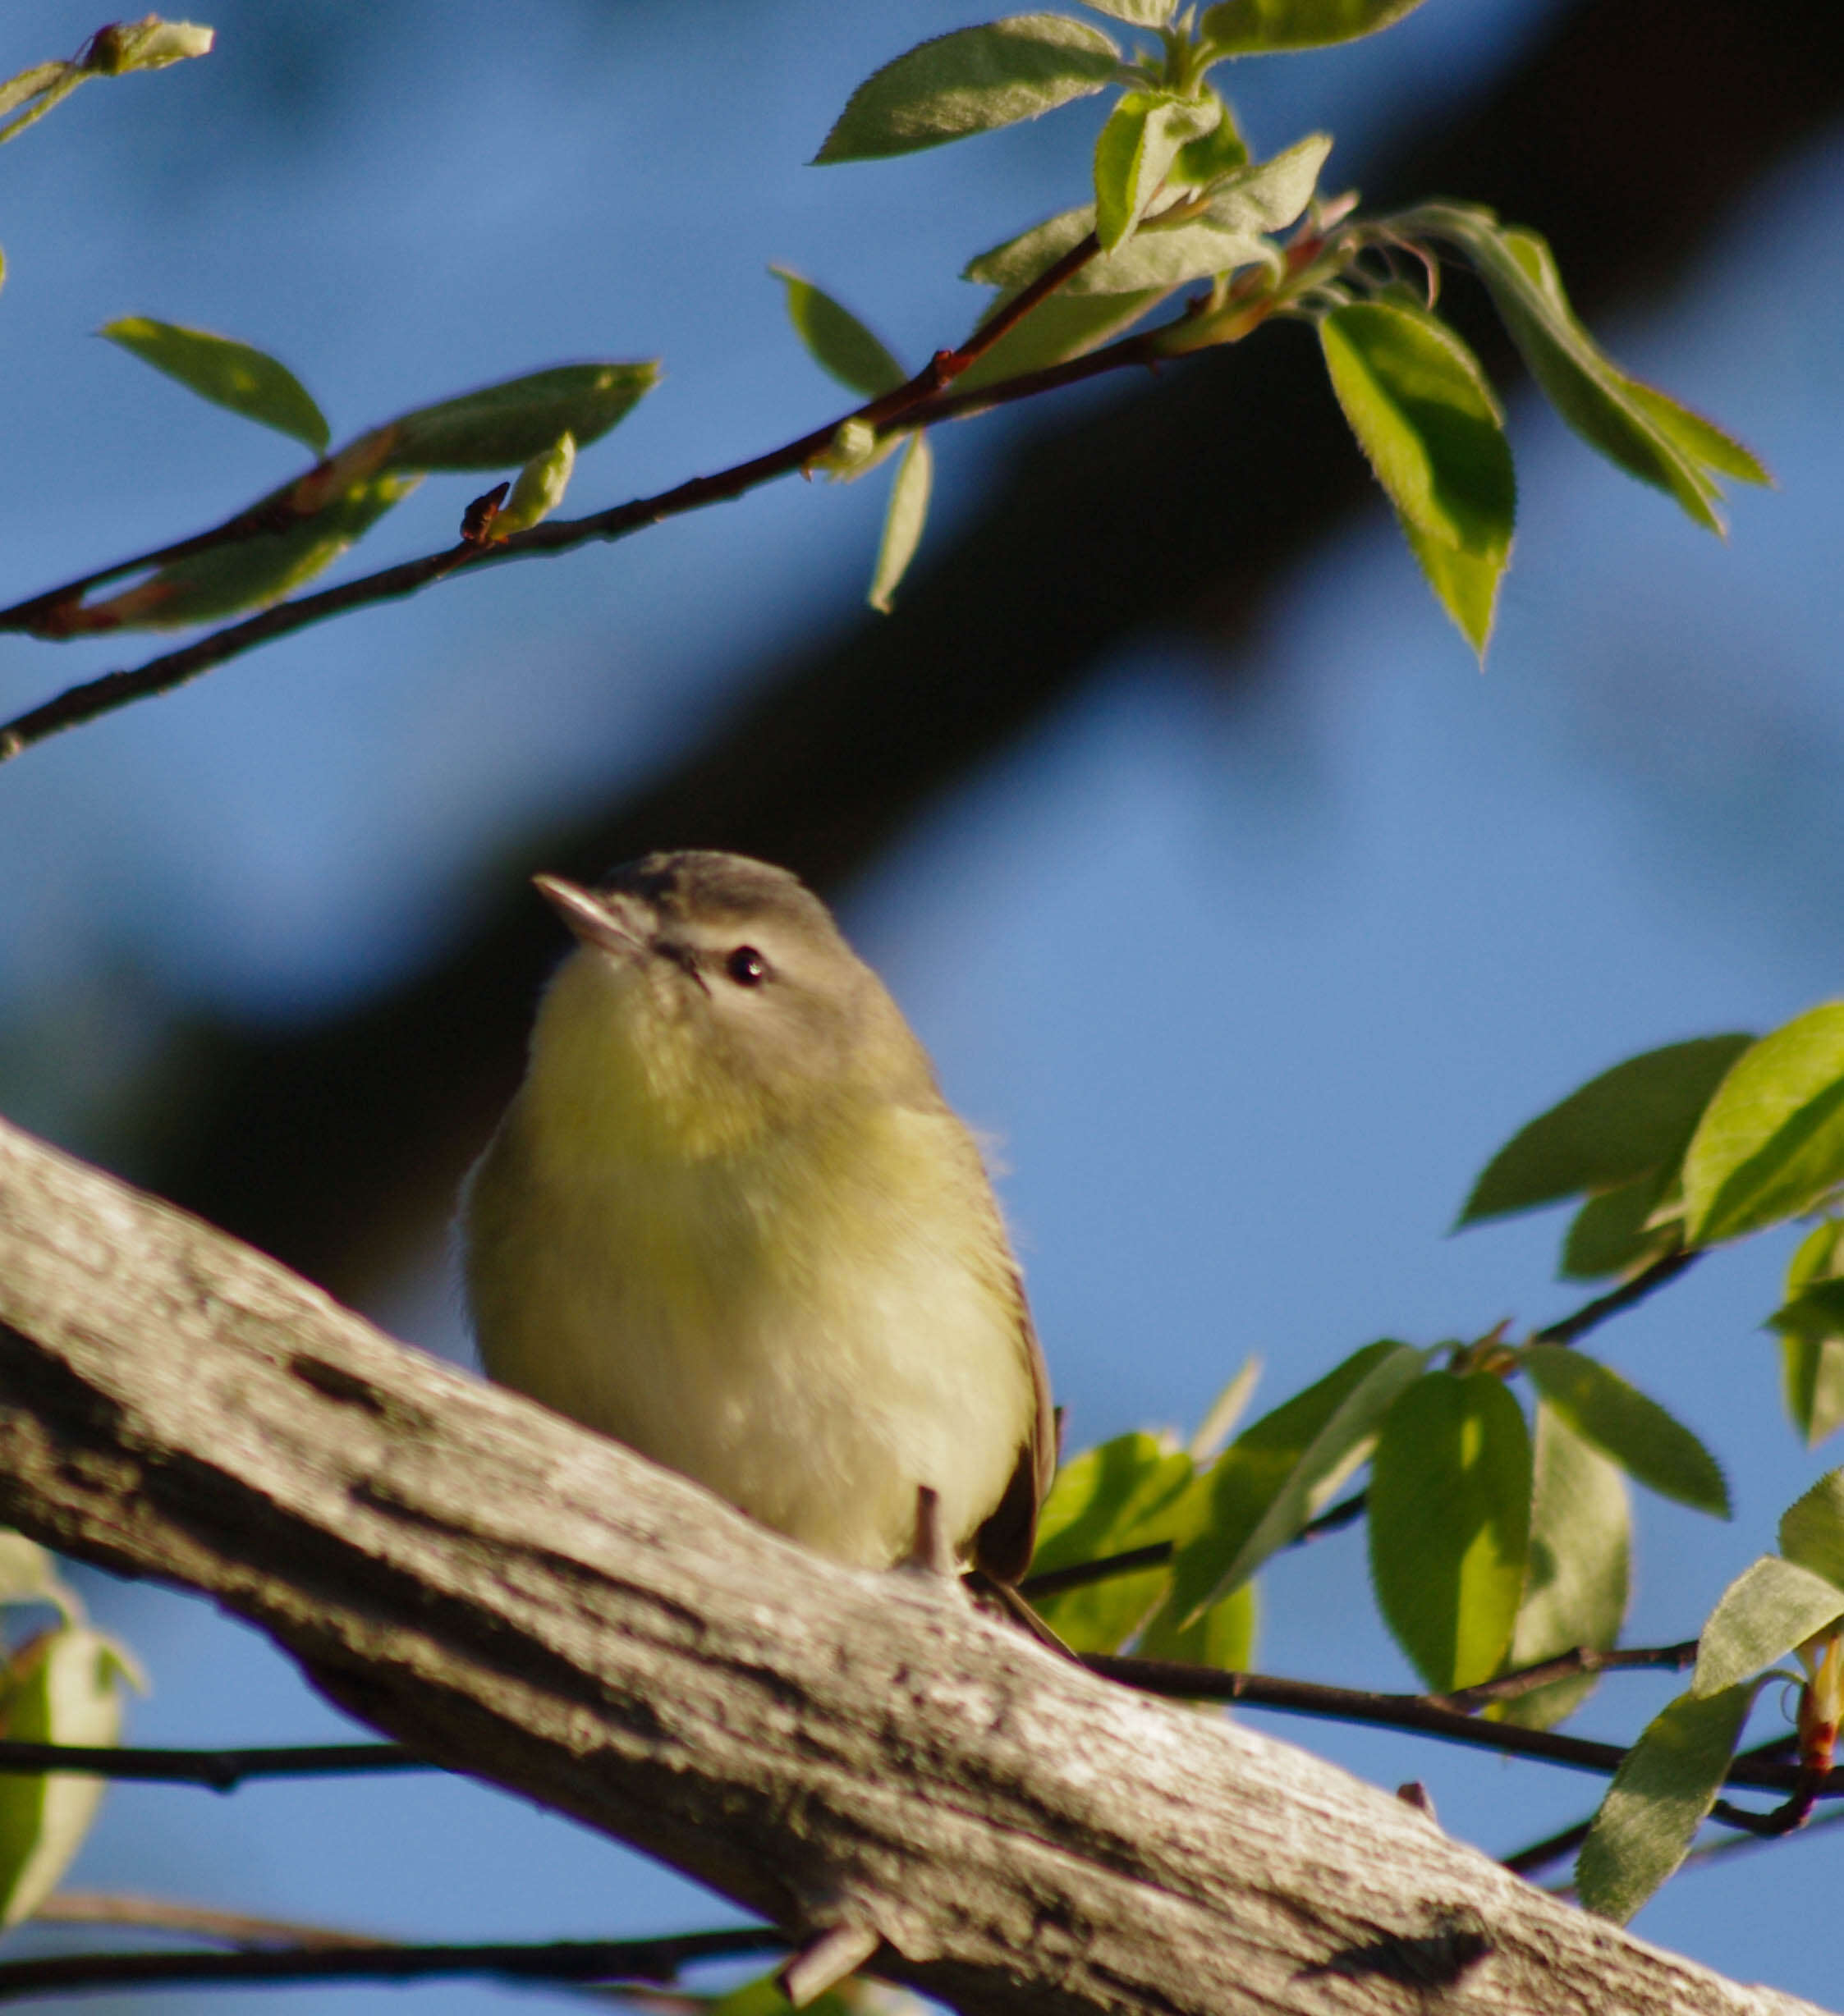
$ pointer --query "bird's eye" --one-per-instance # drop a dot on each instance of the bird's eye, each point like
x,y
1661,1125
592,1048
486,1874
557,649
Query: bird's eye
x,y
746,966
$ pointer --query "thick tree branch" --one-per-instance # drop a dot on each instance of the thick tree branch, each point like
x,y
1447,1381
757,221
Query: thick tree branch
x,y
528,1603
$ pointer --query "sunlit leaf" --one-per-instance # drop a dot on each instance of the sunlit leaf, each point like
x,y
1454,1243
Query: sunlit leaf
x,y
1134,153
1648,1444
1269,1481
1771,1145
1219,152
501,426
1770,1607
540,489
1811,1330
903,521
1576,1586
1257,27
1064,326
1665,1785
1812,1529
1620,1126
64,1687
29,1575
1137,13
1619,1231
1224,1636
836,341
247,381
1109,1499
971,81
1450,1523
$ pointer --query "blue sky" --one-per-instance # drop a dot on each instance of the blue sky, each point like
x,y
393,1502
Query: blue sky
x,y
1247,987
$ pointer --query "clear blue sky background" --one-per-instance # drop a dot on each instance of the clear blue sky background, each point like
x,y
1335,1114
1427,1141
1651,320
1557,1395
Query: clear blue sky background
x,y
1248,989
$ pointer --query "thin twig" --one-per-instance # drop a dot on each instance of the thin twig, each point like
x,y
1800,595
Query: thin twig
x,y
922,402
1541,1855
1417,1713
618,1960
221,1771
169,1914
1666,1268
1080,1574
1570,1665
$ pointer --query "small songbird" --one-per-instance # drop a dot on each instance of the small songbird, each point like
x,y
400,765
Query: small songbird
x,y
730,1220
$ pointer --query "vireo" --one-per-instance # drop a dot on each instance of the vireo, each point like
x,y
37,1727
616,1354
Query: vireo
x,y
730,1220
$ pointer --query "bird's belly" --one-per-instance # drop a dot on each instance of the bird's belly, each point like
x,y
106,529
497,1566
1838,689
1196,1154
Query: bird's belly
x,y
816,1392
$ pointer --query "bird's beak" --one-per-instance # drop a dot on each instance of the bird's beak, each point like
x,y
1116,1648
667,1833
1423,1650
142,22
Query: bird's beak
x,y
605,923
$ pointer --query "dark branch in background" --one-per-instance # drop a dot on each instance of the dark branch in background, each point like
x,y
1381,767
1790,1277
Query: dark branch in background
x,y
217,1770
1667,1268
1630,130
653,1960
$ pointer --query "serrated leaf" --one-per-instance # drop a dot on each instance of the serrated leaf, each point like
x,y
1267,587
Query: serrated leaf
x,y
1590,391
1665,1786
973,81
1771,1145
1420,407
836,341
1267,1484
1648,1444
1117,1496
1699,439
64,1687
1812,1529
500,426
1621,1125
1465,585
247,381
1134,153
903,521
1619,1232
1260,27
1616,1128
1450,1523
1770,1607
252,571
1576,1586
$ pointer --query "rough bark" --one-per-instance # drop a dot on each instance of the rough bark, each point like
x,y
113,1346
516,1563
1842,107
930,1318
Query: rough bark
x,y
540,1608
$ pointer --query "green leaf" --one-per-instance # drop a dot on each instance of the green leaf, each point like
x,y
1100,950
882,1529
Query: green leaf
x,y
1117,1496
64,1687
903,521
836,341
1062,327
29,1575
1420,404
1703,440
1225,232
1450,1523
1228,1408
1220,152
1811,1327
1590,391
501,425
1133,154
1223,1637
540,489
973,81
1137,13
1619,1231
1665,1786
1652,1448
149,43
1812,1529
1631,1121
1465,585
229,374
252,571
1771,1145
1426,418
1576,1586
1269,1482
1770,1607
1260,27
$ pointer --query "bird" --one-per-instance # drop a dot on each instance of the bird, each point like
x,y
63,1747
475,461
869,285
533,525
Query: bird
x,y
730,1220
